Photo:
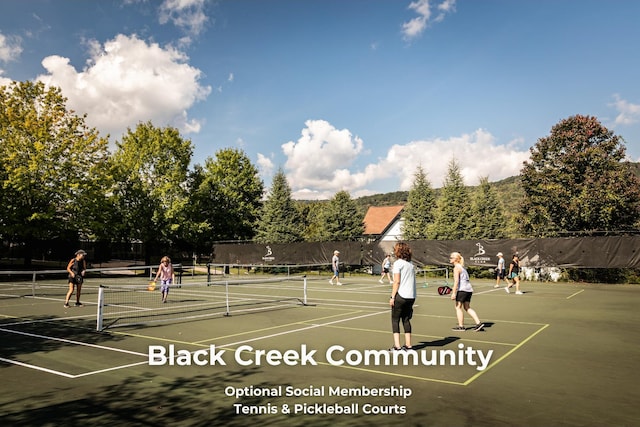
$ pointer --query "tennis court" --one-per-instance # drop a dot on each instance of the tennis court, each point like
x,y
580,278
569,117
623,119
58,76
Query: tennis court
x,y
561,354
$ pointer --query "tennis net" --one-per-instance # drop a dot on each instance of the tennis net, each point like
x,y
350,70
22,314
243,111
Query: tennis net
x,y
120,306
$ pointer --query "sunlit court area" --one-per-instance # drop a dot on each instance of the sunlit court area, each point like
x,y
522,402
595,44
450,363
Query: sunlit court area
x,y
223,348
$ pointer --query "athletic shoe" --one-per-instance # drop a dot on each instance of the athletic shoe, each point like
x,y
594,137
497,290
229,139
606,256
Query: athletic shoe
x,y
330,282
478,327
79,304
395,349
459,328
405,348
66,305
519,293
506,289
339,284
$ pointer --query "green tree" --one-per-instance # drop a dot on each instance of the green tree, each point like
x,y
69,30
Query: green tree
x,y
150,167
312,216
577,181
52,168
341,218
280,220
227,198
419,211
487,220
452,214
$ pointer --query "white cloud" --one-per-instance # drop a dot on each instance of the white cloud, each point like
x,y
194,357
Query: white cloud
x,y
416,26
477,154
266,166
10,48
628,113
128,81
318,164
187,15
4,81
321,156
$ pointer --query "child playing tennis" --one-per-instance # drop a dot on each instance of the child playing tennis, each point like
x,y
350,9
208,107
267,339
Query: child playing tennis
x,y
167,276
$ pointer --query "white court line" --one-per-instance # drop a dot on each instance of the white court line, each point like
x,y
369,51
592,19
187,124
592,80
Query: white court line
x,y
64,374
304,329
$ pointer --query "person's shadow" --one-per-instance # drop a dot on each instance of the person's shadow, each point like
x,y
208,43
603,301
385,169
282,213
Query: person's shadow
x,y
436,343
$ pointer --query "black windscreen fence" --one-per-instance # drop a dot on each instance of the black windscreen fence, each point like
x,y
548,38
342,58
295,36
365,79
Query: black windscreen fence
x,y
576,252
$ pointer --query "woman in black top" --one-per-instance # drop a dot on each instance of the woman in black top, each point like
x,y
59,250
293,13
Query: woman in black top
x,y
76,269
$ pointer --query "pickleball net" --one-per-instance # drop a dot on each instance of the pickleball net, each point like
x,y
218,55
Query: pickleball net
x,y
120,306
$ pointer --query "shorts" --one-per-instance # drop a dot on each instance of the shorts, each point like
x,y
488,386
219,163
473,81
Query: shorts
x,y
500,273
77,280
513,275
463,296
336,272
385,270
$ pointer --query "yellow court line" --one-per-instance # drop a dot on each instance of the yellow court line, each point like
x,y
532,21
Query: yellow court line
x,y
504,356
576,293
393,374
421,335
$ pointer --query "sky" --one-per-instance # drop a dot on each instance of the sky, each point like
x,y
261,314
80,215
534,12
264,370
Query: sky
x,y
349,95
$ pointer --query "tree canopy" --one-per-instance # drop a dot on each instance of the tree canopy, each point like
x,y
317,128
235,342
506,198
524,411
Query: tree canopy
x,y
419,211
150,167
452,218
280,221
52,167
578,182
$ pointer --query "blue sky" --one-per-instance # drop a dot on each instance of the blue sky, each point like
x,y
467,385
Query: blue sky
x,y
341,94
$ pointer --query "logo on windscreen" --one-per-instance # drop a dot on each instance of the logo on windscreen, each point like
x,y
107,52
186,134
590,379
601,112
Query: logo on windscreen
x,y
269,255
479,257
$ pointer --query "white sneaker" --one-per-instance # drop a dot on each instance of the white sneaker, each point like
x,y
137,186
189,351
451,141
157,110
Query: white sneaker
x,y
506,289
380,281
519,293
330,282
339,284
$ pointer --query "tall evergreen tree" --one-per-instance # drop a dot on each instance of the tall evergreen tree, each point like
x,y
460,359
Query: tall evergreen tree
x,y
577,181
419,211
487,219
280,220
341,218
452,217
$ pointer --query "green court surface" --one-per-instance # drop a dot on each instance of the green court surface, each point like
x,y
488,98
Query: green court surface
x,y
559,355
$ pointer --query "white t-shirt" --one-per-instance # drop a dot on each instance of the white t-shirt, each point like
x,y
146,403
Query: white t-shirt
x,y
407,288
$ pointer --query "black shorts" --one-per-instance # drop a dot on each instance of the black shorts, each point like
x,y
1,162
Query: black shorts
x,y
500,274
463,296
385,270
77,280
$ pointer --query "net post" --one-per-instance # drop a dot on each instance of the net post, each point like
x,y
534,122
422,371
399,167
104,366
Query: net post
x,y
226,288
305,290
100,305
33,285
